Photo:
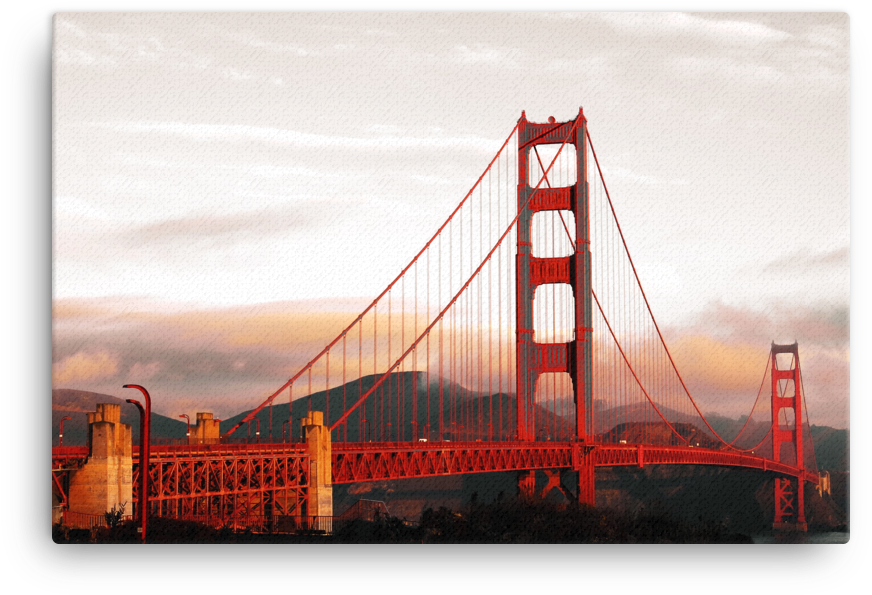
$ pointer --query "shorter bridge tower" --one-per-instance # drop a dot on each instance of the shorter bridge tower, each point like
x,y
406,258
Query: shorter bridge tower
x,y
789,491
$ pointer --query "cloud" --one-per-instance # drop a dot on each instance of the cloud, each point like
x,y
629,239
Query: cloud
x,y
658,24
733,69
621,173
67,26
234,74
78,57
227,358
588,66
483,54
251,40
802,261
722,354
231,228
281,136
820,327
829,36
230,359
83,367
140,372
718,365
74,45
381,33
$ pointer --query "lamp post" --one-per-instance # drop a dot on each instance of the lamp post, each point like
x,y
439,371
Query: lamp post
x,y
144,452
257,430
284,423
61,433
188,427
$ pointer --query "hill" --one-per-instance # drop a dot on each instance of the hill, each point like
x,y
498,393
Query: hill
x,y
738,498
76,403
413,393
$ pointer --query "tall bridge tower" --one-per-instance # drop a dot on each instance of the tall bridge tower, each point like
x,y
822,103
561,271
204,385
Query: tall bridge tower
x,y
789,492
575,356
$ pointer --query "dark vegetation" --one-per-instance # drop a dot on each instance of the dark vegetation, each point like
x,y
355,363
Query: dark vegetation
x,y
544,522
510,521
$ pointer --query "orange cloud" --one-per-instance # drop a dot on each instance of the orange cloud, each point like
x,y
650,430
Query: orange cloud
x,y
140,371
283,331
717,364
231,359
84,367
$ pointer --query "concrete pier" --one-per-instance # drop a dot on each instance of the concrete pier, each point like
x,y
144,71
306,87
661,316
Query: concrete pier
x,y
317,438
206,431
105,481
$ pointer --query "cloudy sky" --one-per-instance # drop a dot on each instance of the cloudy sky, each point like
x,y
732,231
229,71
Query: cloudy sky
x,y
230,190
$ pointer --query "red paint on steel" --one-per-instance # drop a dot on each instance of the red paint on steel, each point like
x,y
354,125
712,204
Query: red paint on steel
x,y
789,495
144,442
441,314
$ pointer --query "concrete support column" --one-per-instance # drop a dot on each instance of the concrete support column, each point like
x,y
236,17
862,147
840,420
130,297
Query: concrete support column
x,y
526,485
586,484
317,439
106,479
206,431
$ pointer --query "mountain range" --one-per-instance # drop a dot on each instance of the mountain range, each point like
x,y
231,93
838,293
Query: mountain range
x,y
497,411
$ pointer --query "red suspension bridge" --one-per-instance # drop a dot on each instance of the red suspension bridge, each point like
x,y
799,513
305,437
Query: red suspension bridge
x,y
519,338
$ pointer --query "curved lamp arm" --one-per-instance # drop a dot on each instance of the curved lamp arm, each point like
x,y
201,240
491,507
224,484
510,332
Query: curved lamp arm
x,y
144,452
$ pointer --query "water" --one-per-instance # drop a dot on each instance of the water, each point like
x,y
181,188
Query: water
x,y
798,537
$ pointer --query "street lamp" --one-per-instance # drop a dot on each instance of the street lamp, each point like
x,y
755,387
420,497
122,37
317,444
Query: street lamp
x,y
188,430
257,431
284,423
144,452
61,433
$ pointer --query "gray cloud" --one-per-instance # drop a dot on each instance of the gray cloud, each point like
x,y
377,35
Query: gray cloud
x,y
808,261
241,133
232,228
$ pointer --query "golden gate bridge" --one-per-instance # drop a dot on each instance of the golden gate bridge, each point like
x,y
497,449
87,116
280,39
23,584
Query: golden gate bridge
x,y
519,338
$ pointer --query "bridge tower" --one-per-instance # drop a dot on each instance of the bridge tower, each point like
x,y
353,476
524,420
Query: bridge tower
x,y
789,491
574,357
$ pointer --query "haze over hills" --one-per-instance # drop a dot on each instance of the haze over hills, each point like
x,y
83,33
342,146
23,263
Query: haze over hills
x,y
413,393
678,490
496,411
76,403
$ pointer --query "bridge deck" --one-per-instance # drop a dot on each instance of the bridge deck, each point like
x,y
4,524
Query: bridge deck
x,y
370,461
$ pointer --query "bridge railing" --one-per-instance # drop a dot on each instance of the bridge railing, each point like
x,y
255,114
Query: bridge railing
x,y
82,520
223,440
